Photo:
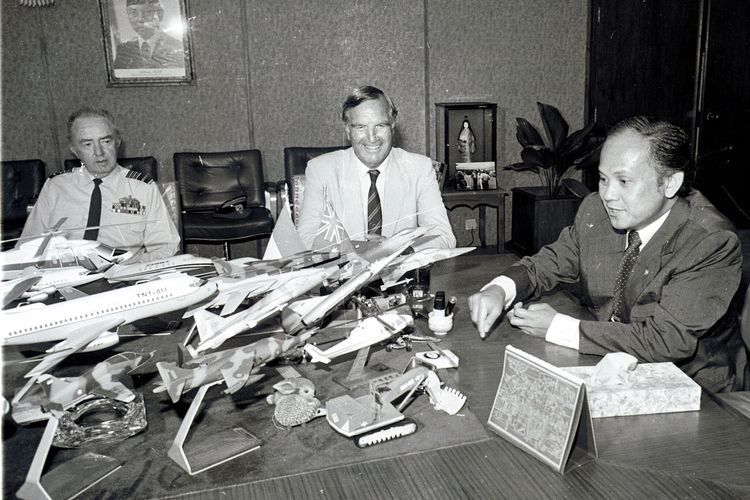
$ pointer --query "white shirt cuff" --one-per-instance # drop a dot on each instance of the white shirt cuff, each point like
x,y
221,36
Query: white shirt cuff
x,y
563,331
508,286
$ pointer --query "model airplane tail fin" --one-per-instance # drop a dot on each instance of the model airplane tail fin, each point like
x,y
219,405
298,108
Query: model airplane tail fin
x,y
317,355
184,353
208,324
173,379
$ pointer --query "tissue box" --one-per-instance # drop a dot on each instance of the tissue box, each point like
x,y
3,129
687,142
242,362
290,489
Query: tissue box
x,y
651,388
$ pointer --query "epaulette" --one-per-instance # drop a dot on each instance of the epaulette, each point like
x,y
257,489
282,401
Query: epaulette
x,y
59,172
139,176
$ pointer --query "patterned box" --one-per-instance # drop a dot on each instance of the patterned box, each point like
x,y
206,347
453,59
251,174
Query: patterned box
x,y
650,388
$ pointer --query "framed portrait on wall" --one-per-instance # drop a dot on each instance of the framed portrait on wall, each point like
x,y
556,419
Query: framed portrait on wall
x,y
147,42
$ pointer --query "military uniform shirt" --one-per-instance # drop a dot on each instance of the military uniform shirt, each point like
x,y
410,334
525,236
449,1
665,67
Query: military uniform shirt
x,y
133,211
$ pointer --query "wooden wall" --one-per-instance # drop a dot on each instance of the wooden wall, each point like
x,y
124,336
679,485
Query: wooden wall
x,y
273,73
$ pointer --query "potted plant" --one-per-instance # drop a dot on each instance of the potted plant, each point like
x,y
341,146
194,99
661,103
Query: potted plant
x,y
541,212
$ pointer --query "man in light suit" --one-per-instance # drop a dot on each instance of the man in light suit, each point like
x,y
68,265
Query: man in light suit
x,y
675,296
406,184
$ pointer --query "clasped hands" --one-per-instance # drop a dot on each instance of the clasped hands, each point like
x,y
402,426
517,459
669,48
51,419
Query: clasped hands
x,y
488,305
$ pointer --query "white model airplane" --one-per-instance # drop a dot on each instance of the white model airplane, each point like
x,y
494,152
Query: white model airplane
x,y
232,290
57,251
184,263
215,330
36,285
304,314
86,323
369,331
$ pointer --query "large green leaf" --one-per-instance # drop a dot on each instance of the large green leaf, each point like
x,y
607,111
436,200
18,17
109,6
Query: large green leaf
x,y
522,167
542,157
527,134
555,125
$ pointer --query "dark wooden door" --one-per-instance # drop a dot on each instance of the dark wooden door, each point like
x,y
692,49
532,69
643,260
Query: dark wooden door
x,y
724,126
643,59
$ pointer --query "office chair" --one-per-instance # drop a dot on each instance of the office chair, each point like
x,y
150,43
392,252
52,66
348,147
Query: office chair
x,y
223,197
295,163
143,164
22,183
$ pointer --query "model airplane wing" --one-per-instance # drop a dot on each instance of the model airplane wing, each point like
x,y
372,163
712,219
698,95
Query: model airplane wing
x,y
236,379
115,390
76,341
13,289
70,293
233,301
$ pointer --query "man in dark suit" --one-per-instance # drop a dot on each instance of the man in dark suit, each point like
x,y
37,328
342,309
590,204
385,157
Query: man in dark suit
x,y
658,266
152,48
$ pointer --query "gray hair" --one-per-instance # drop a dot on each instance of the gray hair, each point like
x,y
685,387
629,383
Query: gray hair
x,y
367,93
88,112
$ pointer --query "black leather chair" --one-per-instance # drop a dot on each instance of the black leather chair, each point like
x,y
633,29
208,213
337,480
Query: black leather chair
x,y
295,163
22,182
143,164
223,197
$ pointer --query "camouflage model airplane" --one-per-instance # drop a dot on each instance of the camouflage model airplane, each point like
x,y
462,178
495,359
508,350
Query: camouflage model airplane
x,y
53,395
236,367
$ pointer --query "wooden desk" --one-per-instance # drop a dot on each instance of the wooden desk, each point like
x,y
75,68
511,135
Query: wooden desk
x,y
700,454
482,199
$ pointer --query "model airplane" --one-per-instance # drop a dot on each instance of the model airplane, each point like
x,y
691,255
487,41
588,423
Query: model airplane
x,y
57,251
419,259
368,332
305,314
236,367
86,323
37,285
55,395
184,263
214,330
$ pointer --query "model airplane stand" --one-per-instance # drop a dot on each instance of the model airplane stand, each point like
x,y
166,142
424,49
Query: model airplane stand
x,y
220,447
360,374
64,481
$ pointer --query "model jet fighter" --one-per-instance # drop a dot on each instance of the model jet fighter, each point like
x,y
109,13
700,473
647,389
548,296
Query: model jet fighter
x,y
236,367
55,395
369,331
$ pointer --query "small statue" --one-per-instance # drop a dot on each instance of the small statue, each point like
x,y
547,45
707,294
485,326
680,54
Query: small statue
x,y
466,141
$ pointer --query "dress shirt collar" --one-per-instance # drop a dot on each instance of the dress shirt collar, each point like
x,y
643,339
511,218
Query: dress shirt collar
x,y
362,169
648,232
91,177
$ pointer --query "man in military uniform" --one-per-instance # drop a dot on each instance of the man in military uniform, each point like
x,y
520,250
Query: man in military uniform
x,y
131,212
152,48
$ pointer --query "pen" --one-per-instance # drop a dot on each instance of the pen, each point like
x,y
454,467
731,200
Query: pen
x,y
451,305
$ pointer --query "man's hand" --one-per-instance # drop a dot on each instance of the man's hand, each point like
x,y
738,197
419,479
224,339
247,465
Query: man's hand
x,y
486,306
533,320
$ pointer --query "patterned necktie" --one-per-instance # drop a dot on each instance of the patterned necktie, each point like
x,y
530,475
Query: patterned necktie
x,y
374,211
145,50
626,268
95,212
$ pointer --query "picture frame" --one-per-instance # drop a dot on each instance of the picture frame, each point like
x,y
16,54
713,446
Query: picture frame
x,y
147,42
466,138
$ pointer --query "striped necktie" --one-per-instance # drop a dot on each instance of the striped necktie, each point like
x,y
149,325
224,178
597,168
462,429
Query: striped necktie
x,y
374,211
95,213
626,268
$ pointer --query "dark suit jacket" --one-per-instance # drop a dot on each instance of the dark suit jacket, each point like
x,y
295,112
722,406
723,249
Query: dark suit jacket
x,y
167,53
679,301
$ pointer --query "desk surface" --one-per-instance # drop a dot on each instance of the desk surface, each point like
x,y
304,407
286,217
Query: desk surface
x,y
704,454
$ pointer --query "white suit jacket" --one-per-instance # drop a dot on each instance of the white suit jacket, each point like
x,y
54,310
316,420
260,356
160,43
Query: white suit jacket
x,y
410,198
